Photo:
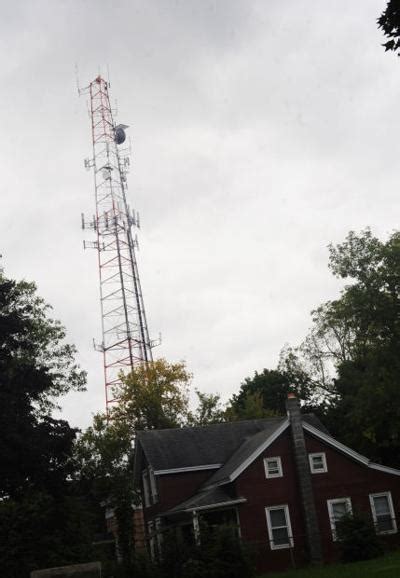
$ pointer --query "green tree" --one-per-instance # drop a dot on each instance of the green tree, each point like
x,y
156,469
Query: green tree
x,y
39,519
356,340
265,394
248,404
152,396
389,22
347,370
104,473
40,530
36,368
209,410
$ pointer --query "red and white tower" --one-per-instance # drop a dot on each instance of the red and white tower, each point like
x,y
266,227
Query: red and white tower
x,y
125,340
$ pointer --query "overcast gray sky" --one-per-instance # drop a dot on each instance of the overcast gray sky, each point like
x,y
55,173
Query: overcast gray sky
x,y
261,131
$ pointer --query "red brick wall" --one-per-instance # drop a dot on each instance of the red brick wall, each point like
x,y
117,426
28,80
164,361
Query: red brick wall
x,y
139,537
139,534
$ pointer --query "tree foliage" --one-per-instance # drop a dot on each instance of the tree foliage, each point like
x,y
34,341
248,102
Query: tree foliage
x,y
153,396
40,531
36,367
347,370
357,538
104,470
42,521
265,394
355,342
389,22
209,410
220,554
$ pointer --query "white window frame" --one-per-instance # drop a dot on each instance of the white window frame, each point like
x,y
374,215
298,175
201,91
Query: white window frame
x,y
332,520
273,546
267,472
146,488
387,495
311,460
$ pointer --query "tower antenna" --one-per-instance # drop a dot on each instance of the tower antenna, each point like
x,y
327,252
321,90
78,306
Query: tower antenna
x,y
125,338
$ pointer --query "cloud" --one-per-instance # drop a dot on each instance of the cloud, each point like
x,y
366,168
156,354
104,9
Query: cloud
x,y
260,133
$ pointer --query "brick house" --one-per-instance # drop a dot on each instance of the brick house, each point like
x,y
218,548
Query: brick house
x,y
283,482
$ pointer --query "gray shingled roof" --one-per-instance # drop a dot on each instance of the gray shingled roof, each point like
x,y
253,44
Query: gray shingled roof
x,y
229,444
198,446
213,444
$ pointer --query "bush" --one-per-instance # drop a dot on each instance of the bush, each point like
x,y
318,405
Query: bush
x,y
221,554
41,531
227,556
357,539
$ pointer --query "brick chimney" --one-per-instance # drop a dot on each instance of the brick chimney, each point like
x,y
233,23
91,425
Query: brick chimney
x,y
304,479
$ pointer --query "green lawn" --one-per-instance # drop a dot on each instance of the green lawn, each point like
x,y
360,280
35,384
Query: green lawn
x,y
385,567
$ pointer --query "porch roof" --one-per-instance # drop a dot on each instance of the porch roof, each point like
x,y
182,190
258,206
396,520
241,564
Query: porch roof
x,y
205,500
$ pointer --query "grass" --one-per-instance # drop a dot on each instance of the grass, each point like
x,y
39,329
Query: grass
x,y
385,567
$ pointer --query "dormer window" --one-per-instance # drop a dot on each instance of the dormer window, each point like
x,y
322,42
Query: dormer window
x,y
318,463
273,467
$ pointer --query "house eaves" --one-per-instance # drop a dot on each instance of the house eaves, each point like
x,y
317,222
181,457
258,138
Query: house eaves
x,y
187,469
217,505
348,451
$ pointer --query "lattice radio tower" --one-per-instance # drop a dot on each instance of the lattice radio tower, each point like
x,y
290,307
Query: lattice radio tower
x,y
125,337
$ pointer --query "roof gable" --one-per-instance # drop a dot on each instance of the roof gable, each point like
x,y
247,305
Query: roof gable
x,y
325,437
254,447
246,454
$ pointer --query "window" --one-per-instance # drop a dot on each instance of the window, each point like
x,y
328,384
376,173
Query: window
x,y
338,508
273,467
279,529
383,513
318,463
